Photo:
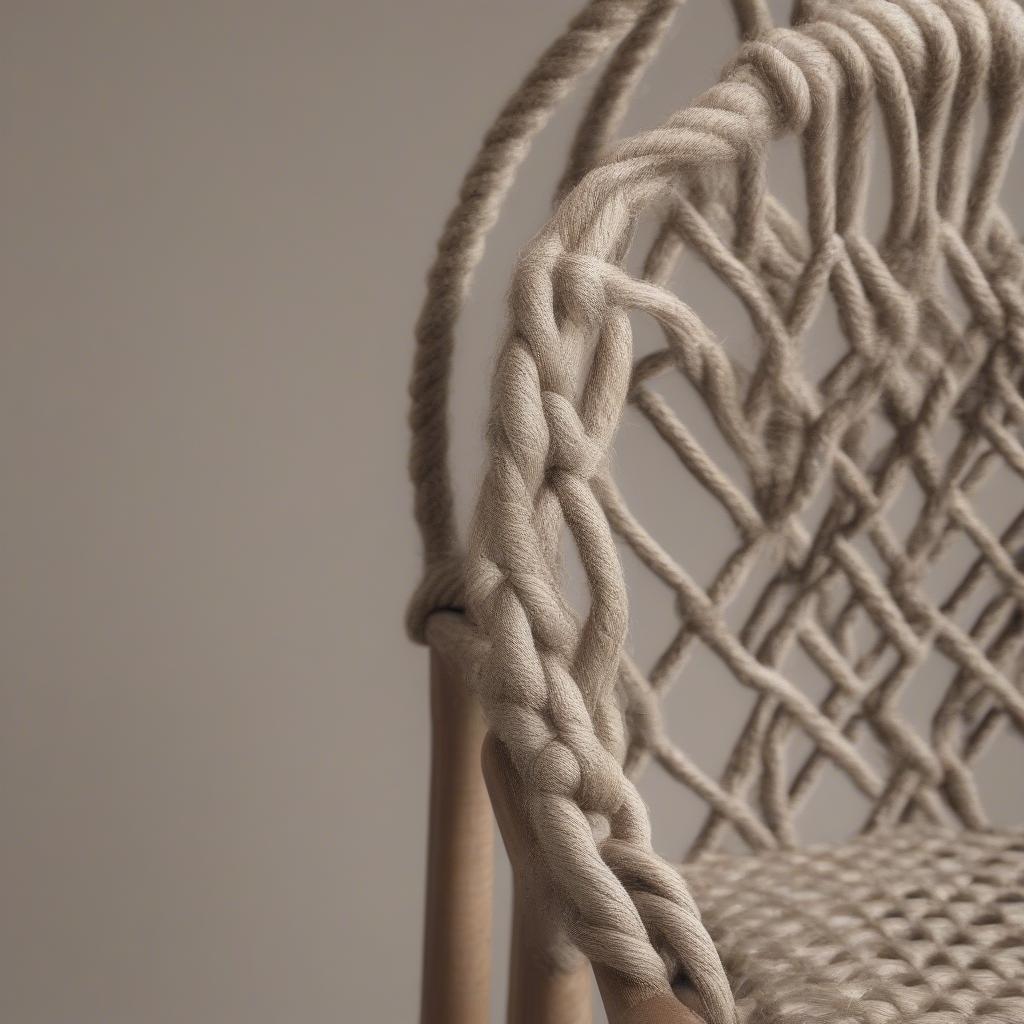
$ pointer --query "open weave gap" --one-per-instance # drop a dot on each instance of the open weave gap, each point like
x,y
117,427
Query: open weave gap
x,y
869,546
925,399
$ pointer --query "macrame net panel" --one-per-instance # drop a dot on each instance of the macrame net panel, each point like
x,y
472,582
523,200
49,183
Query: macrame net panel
x,y
859,465
845,536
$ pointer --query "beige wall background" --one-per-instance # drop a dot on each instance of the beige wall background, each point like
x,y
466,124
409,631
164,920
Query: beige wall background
x,y
216,218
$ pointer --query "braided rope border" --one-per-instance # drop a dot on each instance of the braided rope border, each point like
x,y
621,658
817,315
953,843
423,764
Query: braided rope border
x,y
548,684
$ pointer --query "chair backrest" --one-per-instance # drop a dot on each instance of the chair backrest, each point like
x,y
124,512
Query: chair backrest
x,y
846,486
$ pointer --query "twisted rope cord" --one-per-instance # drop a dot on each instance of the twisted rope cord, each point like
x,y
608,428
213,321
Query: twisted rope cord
x,y
549,685
597,28
638,27
543,682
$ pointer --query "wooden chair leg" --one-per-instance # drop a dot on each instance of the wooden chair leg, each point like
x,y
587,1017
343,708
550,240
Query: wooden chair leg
x,y
460,863
626,1004
540,991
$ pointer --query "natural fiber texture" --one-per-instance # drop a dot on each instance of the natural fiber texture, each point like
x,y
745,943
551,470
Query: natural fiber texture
x,y
637,26
815,485
919,926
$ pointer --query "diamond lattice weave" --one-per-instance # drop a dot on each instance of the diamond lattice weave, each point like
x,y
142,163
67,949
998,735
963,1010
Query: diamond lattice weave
x,y
916,927
918,401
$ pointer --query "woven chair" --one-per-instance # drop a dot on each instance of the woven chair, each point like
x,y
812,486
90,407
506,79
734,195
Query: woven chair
x,y
846,488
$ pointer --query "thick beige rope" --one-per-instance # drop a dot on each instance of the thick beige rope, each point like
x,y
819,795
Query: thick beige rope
x,y
600,26
552,686
636,28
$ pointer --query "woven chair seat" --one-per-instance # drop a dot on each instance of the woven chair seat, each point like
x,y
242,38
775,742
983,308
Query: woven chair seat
x,y
910,926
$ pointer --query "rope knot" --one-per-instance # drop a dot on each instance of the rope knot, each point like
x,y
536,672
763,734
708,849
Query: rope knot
x,y
578,768
556,770
578,282
441,589
571,448
783,81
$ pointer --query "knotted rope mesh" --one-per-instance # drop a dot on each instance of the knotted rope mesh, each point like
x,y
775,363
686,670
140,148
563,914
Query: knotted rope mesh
x,y
811,479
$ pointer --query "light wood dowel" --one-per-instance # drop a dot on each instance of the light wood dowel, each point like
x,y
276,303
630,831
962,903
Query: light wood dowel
x,y
540,993
626,1004
460,863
